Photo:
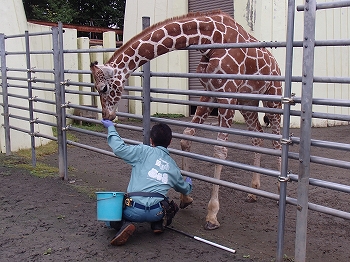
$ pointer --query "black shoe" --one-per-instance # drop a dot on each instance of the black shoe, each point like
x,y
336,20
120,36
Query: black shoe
x,y
123,235
117,225
157,227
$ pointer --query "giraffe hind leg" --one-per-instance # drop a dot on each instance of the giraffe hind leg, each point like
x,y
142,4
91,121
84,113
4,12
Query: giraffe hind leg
x,y
212,222
220,152
275,120
253,124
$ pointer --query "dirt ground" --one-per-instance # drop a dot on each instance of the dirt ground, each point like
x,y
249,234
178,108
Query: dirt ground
x,y
47,219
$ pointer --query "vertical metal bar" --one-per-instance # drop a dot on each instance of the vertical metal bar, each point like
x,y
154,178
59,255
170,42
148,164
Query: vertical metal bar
x,y
30,99
305,129
285,131
58,98
5,97
146,86
63,101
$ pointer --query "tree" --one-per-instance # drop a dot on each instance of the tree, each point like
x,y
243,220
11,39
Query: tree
x,y
103,13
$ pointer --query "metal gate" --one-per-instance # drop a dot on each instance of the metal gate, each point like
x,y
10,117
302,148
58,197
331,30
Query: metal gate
x,y
59,88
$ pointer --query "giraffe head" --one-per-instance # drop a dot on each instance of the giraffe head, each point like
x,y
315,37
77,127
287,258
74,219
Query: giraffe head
x,y
109,87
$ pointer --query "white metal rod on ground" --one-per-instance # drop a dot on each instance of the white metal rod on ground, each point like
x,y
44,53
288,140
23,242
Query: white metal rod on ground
x,y
204,241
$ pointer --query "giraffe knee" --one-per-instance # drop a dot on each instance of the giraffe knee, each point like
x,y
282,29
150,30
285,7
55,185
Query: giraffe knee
x,y
185,145
220,152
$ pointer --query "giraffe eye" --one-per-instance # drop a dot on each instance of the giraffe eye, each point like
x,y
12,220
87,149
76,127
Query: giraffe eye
x,y
104,90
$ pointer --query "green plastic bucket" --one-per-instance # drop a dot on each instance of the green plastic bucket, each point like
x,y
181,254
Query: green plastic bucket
x,y
109,206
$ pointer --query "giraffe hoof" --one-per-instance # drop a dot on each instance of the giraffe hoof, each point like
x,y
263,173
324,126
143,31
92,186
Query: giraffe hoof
x,y
210,226
184,205
250,199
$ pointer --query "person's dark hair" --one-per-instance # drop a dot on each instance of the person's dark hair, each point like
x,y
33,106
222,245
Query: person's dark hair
x,y
161,135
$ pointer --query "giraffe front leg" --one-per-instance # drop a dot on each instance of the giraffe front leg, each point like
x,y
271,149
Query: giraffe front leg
x,y
199,117
186,200
251,198
214,205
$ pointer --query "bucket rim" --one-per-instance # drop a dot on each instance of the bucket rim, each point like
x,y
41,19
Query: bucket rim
x,y
109,192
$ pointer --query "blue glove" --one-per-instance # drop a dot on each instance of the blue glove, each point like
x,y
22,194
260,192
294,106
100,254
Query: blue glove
x,y
188,180
107,123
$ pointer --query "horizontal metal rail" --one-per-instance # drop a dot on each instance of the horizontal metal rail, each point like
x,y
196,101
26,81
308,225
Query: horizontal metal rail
x,y
29,34
315,182
36,121
36,99
312,206
33,87
294,140
45,136
32,70
315,207
319,6
47,52
34,79
45,112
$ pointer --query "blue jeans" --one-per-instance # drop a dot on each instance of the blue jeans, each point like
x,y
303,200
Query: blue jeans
x,y
134,214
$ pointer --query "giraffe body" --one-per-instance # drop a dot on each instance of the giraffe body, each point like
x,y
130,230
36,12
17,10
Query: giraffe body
x,y
180,32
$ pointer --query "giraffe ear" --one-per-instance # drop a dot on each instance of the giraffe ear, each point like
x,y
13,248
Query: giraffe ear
x,y
93,64
108,71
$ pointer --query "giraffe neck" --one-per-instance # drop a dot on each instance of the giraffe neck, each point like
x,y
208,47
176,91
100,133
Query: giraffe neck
x,y
175,34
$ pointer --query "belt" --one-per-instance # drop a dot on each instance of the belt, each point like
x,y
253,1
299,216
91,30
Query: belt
x,y
139,206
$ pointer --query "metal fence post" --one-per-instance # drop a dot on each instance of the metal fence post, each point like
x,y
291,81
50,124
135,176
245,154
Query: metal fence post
x,y
30,99
63,100
58,98
283,179
305,129
146,93
5,94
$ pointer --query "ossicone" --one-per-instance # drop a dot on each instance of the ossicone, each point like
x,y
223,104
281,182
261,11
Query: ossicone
x,y
93,64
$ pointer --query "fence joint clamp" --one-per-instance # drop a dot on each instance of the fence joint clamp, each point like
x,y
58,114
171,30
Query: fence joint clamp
x,y
33,79
65,83
32,69
284,178
36,134
32,98
65,105
288,100
285,141
66,128
33,120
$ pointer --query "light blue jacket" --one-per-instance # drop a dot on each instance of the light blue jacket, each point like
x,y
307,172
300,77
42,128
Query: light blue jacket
x,y
153,170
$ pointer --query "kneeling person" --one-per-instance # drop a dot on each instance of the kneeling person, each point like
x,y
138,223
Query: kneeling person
x,y
153,174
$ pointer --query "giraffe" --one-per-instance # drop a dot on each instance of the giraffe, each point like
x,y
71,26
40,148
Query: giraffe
x,y
180,32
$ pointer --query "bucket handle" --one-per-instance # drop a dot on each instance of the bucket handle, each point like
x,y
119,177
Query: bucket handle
x,y
113,195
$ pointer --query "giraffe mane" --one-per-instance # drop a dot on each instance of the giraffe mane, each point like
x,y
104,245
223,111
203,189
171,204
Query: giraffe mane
x,y
160,24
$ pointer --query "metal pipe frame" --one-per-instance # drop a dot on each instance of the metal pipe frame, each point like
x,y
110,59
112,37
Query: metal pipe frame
x,y
5,95
45,112
30,34
33,98
58,101
146,93
305,129
306,100
61,86
343,3
30,101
